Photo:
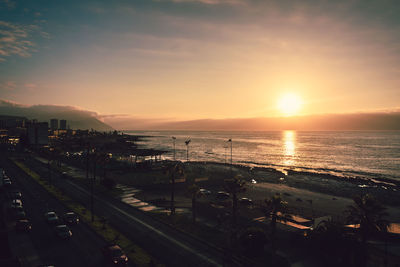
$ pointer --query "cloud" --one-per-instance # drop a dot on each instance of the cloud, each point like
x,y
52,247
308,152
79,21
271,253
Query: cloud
x,y
212,2
16,39
8,86
8,3
9,103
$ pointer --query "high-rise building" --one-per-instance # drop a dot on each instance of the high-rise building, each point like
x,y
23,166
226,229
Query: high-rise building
x,y
38,133
63,125
54,124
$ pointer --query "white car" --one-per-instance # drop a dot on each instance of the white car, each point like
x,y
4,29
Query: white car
x,y
16,203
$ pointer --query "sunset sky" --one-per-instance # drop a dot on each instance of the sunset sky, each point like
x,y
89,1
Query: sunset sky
x,y
193,59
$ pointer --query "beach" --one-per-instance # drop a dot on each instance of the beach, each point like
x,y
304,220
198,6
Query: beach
x,y
307,194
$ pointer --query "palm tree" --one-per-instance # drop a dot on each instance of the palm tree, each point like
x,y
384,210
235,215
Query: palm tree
x,y
187,142
175,171
332,243
276,209
194,191
234,186
369,215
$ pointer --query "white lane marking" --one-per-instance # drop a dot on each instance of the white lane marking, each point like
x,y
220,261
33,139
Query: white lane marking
x,y
150,227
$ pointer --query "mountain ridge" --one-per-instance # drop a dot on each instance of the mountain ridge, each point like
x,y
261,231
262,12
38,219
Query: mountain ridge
x,y
76,118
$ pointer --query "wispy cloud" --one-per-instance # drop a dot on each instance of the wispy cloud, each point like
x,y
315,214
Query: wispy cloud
x,y
8,86
8,3
16,39
212,2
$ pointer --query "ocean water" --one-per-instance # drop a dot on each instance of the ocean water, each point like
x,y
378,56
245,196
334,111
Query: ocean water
x,y
369,154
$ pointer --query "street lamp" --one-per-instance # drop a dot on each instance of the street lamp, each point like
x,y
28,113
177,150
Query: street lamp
x,y
230,141
226,147
173,140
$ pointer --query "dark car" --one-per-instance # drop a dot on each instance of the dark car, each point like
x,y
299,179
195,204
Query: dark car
x,y
51,218
114,255
204,191
23,225
246,201
62,231
19,214
71,218
15,195
7,182
222,195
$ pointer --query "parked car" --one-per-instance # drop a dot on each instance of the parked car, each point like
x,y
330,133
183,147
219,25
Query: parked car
x,y
222,195
19,214
114,255
16,203
23,225
51,218
205,191
71,218
7,182
14,195
62,231
246,201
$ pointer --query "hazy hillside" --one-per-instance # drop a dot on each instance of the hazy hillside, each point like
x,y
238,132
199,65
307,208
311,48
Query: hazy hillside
x,y
327,122
76,119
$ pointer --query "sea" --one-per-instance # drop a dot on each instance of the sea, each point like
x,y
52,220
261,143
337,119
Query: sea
x,y
361,154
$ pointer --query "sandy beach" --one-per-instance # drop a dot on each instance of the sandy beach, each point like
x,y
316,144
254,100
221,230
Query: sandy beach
x,y
308,194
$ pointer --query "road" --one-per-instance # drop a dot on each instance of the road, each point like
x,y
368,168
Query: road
x,y
168,245
41,246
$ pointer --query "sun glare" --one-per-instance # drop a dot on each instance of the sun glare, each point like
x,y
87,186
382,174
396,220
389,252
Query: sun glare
x,y
289,104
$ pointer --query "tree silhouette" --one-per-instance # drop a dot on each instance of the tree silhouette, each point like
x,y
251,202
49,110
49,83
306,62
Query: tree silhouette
x,y
275,209
187,142
368,214
175,171
194,191
332,243
234,186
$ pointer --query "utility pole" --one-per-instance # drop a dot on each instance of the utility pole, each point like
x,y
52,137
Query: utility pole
x,y
87,161
230,141
49,169
173,140
92,189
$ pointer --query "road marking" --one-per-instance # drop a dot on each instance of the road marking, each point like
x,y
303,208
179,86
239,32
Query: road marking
x,y
150,227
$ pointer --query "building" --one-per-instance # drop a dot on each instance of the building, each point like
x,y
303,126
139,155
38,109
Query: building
x,y
54,124
63,125
9,122
38,133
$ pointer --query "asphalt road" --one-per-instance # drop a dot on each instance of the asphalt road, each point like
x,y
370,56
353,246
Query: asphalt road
x,y
168,245
41,246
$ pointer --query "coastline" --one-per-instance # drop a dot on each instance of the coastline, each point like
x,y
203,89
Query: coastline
x,y
385,191
308,194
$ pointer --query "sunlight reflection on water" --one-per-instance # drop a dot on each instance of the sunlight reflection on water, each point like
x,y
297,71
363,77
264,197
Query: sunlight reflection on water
x,y
289,147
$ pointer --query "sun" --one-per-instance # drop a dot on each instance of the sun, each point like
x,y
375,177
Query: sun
x,y
289,104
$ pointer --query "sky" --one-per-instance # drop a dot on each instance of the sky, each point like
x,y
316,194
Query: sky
x,y
197,59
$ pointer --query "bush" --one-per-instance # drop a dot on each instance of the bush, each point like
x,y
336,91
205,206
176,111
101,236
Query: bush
x,y
253,240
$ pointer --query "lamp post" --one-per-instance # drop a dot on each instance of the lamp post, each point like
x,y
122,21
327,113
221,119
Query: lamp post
x,y
230,141
92,185
173,140
226,147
